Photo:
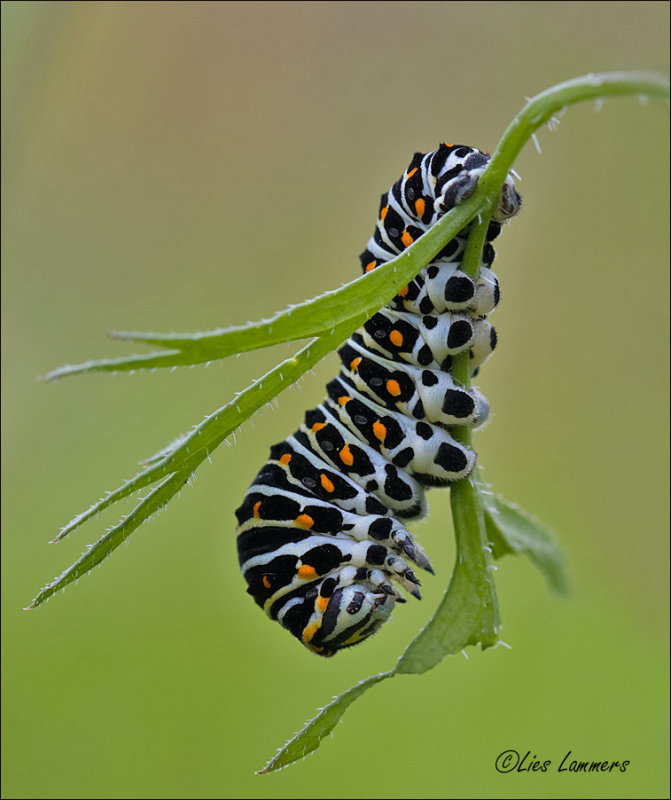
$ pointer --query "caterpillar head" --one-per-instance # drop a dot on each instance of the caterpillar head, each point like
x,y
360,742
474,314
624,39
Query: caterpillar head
x,y
353,614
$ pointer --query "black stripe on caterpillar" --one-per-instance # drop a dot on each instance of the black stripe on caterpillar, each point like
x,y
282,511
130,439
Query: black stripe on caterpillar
x,y
320,541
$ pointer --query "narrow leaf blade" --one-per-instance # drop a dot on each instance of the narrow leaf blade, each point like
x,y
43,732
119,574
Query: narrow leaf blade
x,y
466,616
350,305
468,613
186,453
310,736
107,543
511,529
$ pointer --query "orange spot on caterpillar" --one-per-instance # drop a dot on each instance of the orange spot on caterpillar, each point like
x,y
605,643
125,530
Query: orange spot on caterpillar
x,y
407,239
310,630
371,265
420,207
447,144
393,388
346,456
321,603
396,338
380,430
304,521
257,506
344,400
403,291
318,426
326,483
266,582
354,363
383,213
285,459
411,173
306,571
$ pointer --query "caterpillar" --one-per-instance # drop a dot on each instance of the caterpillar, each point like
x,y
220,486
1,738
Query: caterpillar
x,y
320,538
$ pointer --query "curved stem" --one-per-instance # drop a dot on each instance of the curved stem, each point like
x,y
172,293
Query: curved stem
x,y
541,108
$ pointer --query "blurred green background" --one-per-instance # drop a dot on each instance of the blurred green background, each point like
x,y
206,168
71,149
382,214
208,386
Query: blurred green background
x,y
180,166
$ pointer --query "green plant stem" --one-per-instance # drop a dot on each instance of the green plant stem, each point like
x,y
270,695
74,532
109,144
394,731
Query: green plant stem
x,y
465,501
457,623
541,108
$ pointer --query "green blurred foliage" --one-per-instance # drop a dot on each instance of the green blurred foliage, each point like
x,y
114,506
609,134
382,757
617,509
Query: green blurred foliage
x,y
179,166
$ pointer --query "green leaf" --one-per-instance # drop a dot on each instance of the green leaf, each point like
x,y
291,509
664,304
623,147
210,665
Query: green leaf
x,y
511,529
181,458
347,307
468,613
99,551
309,737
